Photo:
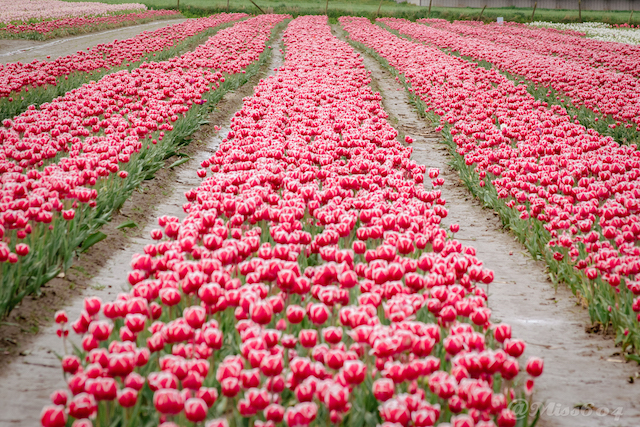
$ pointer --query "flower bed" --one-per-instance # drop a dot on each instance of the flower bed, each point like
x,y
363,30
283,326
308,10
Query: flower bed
x,y
569,193
592,95
36,10
309,284
22,85
620,57
598,31
115,133
82,24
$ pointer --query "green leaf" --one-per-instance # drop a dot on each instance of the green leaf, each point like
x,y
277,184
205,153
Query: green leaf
x,y
633,357
536,418
92,240
127,224
22,328
51,274
370,419
179,162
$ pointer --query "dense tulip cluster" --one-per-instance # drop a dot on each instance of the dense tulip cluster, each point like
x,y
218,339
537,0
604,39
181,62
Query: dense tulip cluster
x,y
18,78
309,283
620,57
28,10
97,133
607,93
565,186
80,24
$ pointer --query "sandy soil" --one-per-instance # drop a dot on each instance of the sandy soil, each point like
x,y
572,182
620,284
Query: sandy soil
x,y
581,370
27,380
27,50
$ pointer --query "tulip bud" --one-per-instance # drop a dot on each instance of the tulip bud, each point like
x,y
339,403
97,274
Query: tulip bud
x,y
53,416
83,405
92,305
230,387
502,332
274,412
22,249
209,395
61,316
510,368
332,335
308,338
383,389
70,364
218,422
127,397
507,418
168,401
195,409
59,397
535,366
354,371
514,348
295,314
393,411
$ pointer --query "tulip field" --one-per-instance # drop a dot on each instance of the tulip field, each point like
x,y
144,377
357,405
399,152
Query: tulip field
x,y
591,81
39,82
295,289
36,10
566,190
77,152
311,280
81,24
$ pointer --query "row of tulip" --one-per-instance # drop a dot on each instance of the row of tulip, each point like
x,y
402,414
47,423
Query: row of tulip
x,y
309,284
533,30
37,10
621,57
37,82
606,100
570,194
115,133
598,31
82,24
554,34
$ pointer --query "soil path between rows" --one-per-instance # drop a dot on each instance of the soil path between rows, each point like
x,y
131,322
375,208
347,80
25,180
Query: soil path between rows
x,y
14,50
580,368
28,380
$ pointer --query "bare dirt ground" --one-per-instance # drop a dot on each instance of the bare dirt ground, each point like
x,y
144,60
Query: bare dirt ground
x,y
581,370
31,371
14,50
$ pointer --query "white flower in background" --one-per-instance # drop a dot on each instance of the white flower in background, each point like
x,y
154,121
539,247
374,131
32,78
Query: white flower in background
x,y
597,31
